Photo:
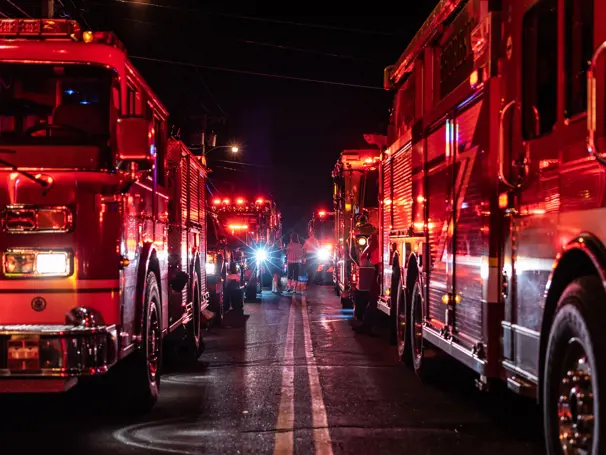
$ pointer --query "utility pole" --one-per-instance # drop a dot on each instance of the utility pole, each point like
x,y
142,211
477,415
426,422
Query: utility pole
x,y
48,8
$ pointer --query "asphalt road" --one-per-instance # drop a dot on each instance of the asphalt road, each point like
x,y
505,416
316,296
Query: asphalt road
x,y
291,377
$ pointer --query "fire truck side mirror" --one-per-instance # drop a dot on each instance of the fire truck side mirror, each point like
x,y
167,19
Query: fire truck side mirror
x,y
178,282
134,140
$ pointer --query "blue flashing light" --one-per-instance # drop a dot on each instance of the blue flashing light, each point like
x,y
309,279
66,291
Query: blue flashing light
x,y
69,91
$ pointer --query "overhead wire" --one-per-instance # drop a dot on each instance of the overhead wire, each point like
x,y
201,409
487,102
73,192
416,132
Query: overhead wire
x,y
253,73
18,8
265,43
258,19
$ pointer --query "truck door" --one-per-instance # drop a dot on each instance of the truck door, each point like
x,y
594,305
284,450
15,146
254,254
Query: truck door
x,y
439,186
530,149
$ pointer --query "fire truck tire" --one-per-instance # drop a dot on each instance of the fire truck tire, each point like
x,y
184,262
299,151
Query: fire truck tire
x,y
402,328
423,365
575,371
346,303
140,379
194,342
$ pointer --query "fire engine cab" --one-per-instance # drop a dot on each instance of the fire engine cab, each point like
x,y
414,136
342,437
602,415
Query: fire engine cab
x,y
355,199
101,217
492,203
255,228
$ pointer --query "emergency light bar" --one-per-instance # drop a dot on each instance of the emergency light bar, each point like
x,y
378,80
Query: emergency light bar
x,y
55,29
34,28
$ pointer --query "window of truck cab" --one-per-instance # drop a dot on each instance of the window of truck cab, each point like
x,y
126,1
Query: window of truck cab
x,y
540,69
56,111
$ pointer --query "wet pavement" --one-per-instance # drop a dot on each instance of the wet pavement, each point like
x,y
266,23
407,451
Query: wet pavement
x,y
290,377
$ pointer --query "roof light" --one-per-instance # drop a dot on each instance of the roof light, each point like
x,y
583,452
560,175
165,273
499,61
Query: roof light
x,y
239,201
87,36
217,201
321,213
226,201
39,27
238,227
259,201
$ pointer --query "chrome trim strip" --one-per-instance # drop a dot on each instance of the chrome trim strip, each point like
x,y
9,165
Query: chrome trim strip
x,y
455,350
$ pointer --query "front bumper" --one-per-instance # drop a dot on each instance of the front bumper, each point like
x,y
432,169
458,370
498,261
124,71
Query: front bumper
x,y
54,352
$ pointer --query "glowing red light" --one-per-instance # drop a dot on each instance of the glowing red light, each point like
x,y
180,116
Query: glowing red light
x,y
226,201
259,201
321,213
239,201
217,201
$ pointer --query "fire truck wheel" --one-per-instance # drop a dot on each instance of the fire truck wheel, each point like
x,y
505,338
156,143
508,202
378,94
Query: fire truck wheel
x,y
418,347
402,328
141,379
574,415
194,340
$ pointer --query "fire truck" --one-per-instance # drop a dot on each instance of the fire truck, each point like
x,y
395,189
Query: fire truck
x,y
355,183
322,226
254,228
491,201
102,225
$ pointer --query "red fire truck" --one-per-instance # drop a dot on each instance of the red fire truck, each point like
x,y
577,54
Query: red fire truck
x,y
254,227
322,226
102,217
492,196
355,179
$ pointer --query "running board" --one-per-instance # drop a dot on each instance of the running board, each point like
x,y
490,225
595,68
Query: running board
x,y
455,350
521,387
382,305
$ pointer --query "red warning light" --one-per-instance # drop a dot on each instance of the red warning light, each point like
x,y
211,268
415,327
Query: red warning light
x,y
321,213
259,201
226,201
217,201
239,201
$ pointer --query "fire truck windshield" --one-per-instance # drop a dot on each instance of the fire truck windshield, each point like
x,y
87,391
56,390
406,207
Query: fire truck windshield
x,y
370,189
46,104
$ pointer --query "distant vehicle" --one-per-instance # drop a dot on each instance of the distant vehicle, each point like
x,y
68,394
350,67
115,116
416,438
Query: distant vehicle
x,y
255,229
355,178
322,225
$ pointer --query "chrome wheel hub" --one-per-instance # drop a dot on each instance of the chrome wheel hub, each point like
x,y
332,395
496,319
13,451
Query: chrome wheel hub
x,y
575,404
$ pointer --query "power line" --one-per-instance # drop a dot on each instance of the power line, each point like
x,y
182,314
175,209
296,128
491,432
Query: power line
x,y
297,49
254,73
259,19
264,43
209,92
18,8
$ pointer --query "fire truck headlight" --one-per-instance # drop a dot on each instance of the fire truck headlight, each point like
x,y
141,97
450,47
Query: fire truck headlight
x,y
52,264
210,268
261,255
362,241
324,254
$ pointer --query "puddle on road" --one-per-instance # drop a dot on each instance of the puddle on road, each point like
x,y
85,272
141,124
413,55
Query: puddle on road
x,y
188,379
177,436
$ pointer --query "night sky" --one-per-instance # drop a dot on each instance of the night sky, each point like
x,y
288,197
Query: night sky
x,y
290,132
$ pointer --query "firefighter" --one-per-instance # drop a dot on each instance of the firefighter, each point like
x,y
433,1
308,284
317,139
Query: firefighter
x,y
294,257
233,296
